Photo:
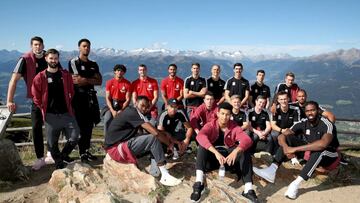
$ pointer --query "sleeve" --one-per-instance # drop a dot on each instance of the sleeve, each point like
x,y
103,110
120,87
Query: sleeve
x,y
203,138
195,117
205,83
97,69
108,85
227,85
133,86
297,114
268,94
70,67
181,84
187,83
161,119
70,85
321,109
182,116
244,140
36,90
162,85
328,127
135,119
247,86
20,66
267,116
156,85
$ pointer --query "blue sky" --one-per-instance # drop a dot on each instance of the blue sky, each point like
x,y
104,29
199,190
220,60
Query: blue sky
x,y
300,28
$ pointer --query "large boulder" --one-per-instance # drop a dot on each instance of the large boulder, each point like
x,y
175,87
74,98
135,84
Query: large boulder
x,y
11,167
130,177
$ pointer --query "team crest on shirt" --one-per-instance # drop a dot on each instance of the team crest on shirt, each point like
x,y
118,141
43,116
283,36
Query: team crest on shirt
x,y
279,117
243,84
232,118
192,83
50,80
253,118
211,84
150,87
82,67
256,91
263,118
168,122
307,132
233,83
177,87
123,89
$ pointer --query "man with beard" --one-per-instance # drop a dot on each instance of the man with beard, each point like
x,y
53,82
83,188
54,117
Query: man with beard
x,y
315,138
30,64
237,85
124,143
118,93
53,91
301,101
172,87
86,75
223,142
216,84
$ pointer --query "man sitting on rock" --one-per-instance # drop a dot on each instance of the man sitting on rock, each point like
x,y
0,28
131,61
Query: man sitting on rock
x,y
123,141
222,142
315,137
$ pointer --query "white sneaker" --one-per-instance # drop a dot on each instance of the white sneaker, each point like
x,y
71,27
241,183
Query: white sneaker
x,y
266,173
38,164
292,191
175,155
295,161
169,180
49,159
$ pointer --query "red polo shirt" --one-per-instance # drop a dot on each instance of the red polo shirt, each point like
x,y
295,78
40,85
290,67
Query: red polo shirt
x,y
118,88
145,87
172,87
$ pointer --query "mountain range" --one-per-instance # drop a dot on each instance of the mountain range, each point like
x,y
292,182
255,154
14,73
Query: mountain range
x,y
330,78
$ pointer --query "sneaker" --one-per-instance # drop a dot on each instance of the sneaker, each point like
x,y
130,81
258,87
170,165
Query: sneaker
x,y
295,161
198,190
38,164
90,156
169,180
292,191
60,165
266,173
68,159
343,161
188,150
251,195
175,155
49,159
85,158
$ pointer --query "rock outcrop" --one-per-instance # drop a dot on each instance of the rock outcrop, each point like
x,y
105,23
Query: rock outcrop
x,y
11,167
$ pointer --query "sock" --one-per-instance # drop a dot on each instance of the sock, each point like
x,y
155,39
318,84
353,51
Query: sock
x,y
164,171
298,180
248,186
274,167
199,176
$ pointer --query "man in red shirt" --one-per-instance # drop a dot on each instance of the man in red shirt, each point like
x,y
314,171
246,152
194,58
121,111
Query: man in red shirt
x,y
172,87
148,87
118,92
223,142
204,113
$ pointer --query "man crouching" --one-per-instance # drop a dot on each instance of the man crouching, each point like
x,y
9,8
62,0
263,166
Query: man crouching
x,y
123,142
222,142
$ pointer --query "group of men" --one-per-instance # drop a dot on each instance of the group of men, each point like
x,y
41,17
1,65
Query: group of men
x,y
228,120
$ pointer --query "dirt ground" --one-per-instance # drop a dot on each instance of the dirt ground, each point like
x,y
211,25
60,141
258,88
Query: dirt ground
x,y
342,185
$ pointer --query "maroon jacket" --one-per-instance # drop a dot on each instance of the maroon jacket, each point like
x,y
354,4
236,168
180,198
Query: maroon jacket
x,y
39,90
210,133
30,71
203,115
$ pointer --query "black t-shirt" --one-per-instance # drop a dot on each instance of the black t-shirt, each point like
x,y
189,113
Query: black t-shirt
x,y
20,67
124,126
56,99
286,119
302,109
239,118
285,88
216,87
194,85
258,121
171,123
257,90
220,140
313,133
86,69
237,86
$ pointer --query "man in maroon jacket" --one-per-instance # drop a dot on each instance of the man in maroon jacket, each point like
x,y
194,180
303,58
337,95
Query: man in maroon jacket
x,y
223,142
52,91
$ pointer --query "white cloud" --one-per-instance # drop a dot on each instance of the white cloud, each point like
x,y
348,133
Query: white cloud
x,y
295,49
159,45
59,46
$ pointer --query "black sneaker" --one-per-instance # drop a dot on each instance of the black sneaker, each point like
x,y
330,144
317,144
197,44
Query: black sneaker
x,y
198,189
68,159
251,195
60,165
90,156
